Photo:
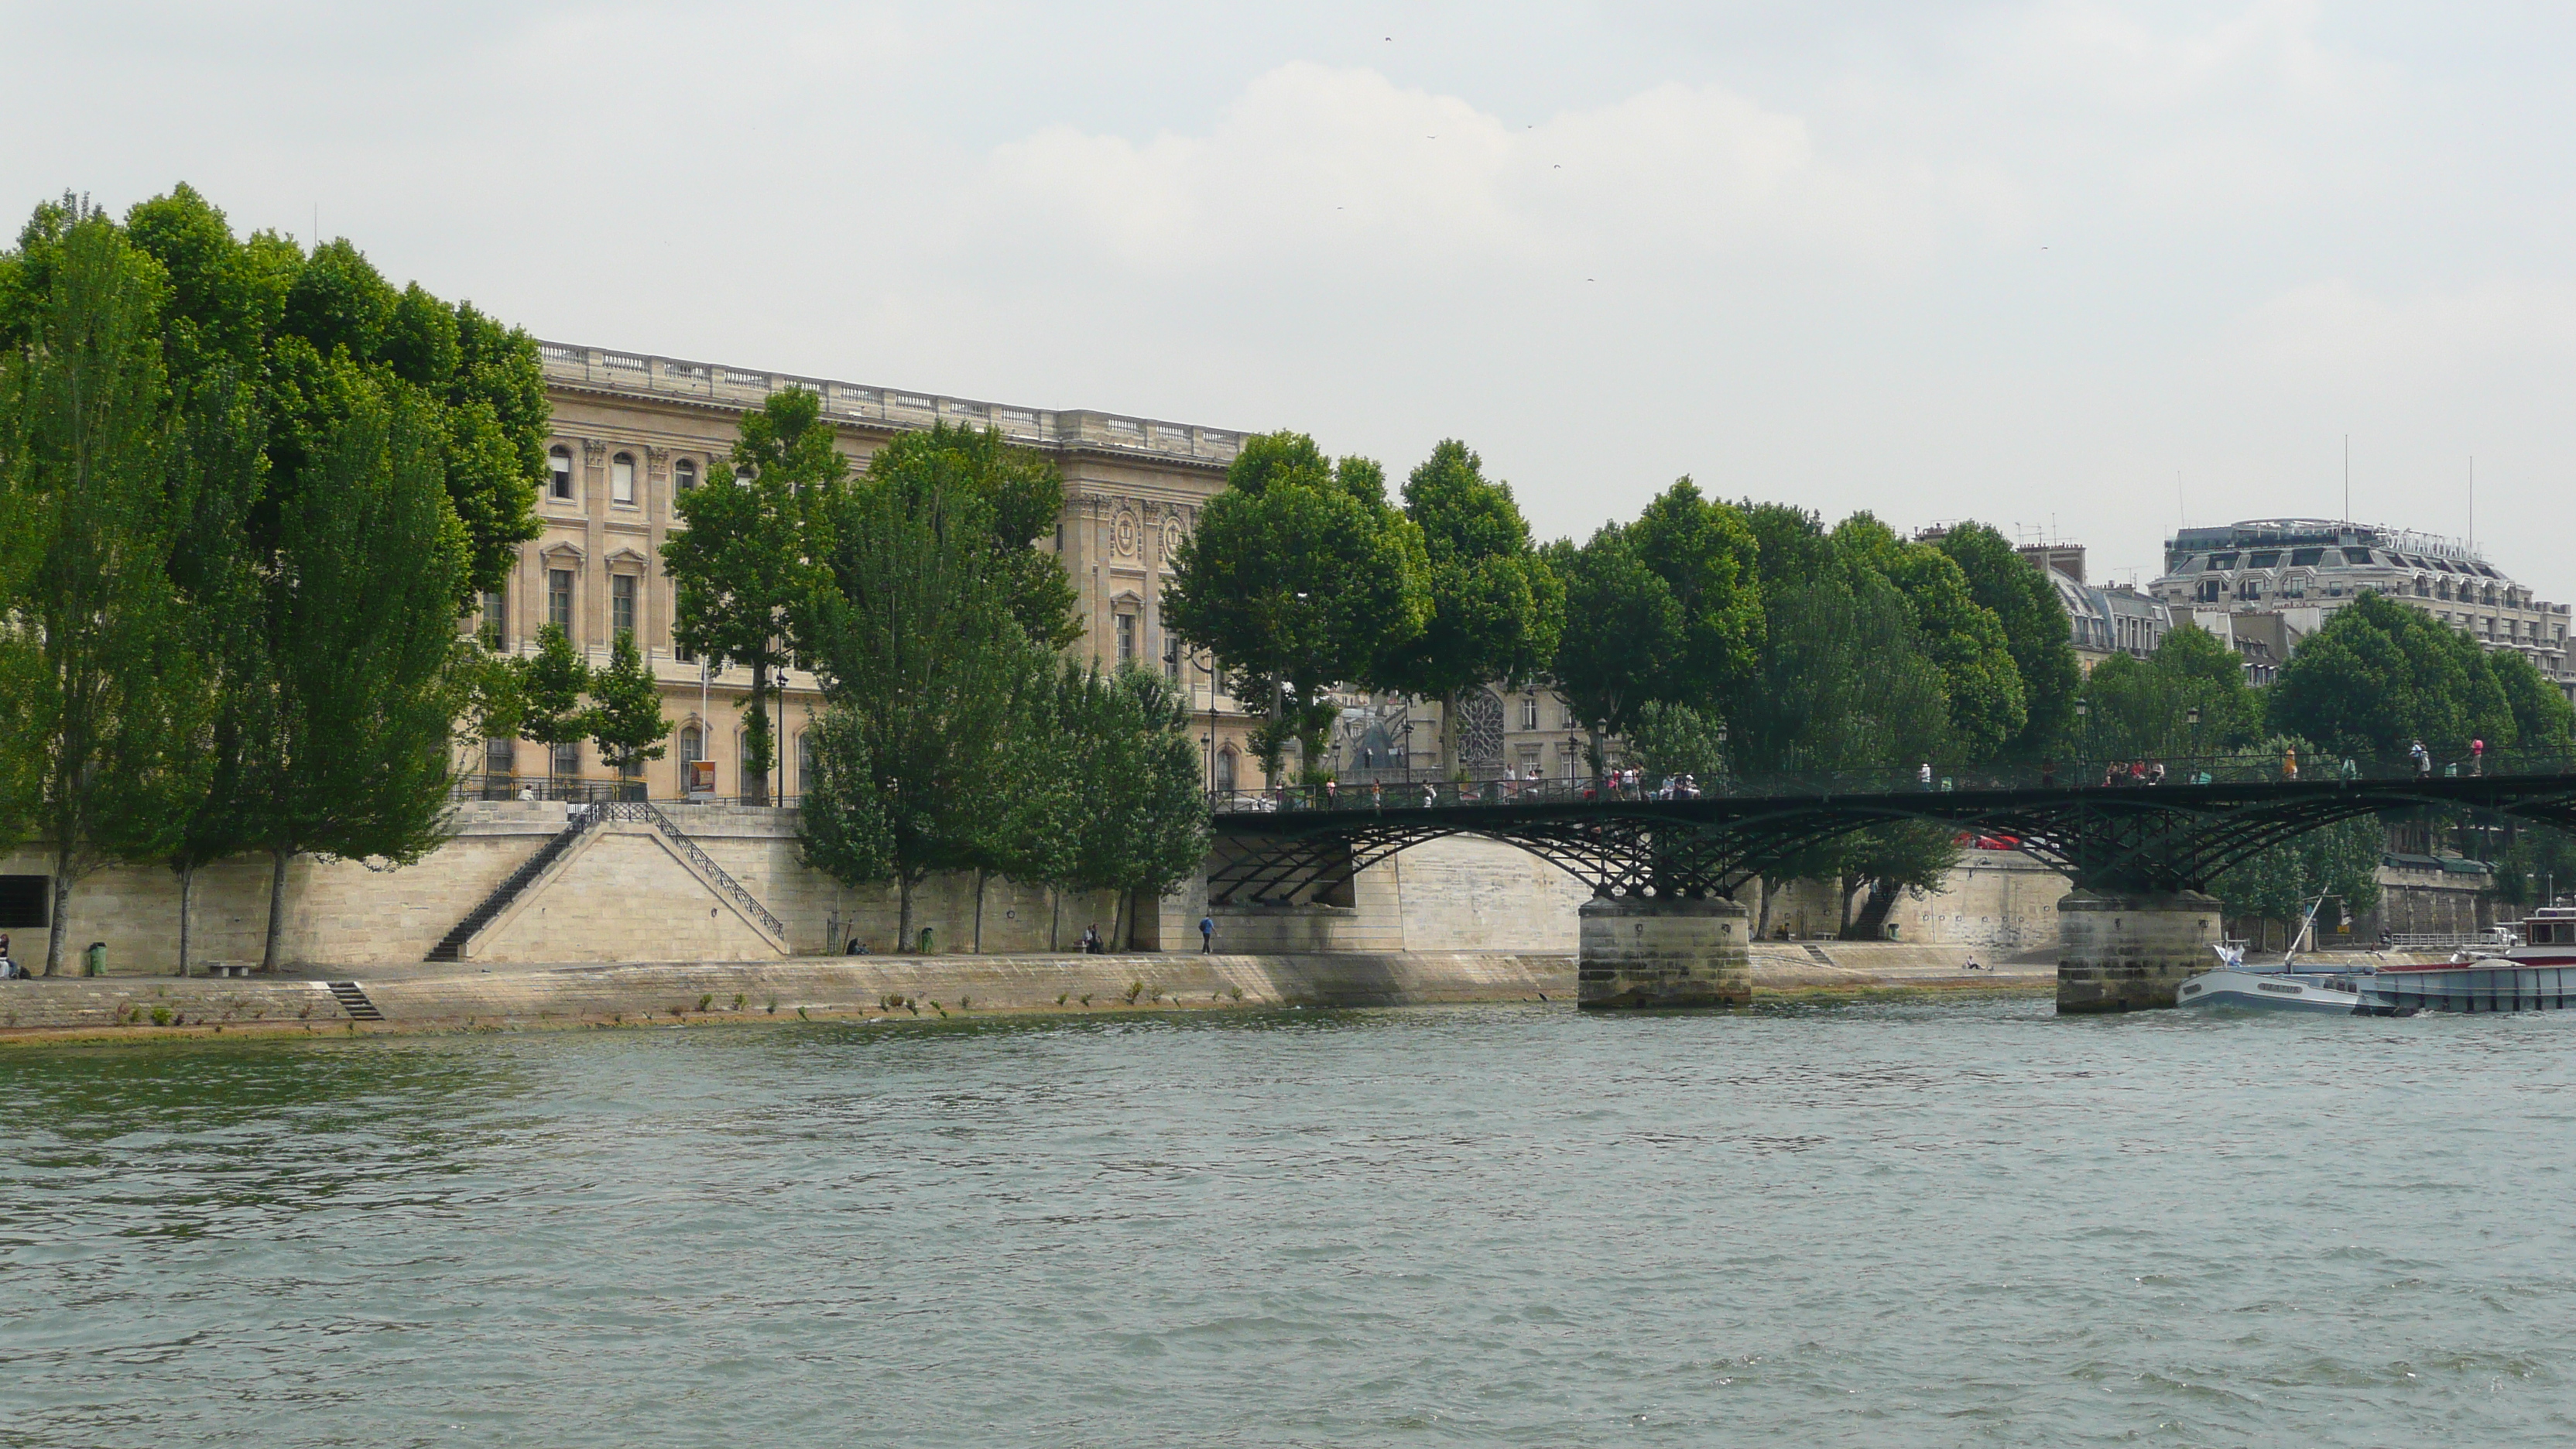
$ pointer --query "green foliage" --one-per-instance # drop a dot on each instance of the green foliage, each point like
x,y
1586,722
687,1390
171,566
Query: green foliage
x,y
2036,632
1839,683
2538,862
1300,575
1704,551
753,562
2141,709
1496,608
1020,494
1675,739
2543,721
1137,821
550,685
1961,636
106,703
2381,675
625,717
2341,859
1625,633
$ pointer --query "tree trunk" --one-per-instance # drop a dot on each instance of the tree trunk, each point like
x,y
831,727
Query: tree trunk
x,y
1762,920
1118,914
981,876
187,897
276,910
61,912
1055,917
1599,761
903,914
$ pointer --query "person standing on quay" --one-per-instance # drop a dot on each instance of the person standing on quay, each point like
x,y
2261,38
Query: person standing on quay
x,y
1207,933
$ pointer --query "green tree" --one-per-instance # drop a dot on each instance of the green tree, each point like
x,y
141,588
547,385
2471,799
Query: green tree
x,y
1963,637
2381,675
2543,722
1704,551
369,673
1675,739
109,699
918,653
551,686
751,563
625,716
1139,822
1624,634
2037,633
1496,608
2142,708
1299,578
1022,493
841,826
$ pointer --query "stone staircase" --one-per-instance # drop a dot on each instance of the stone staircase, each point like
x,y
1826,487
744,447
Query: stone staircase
x,y
451,947
354,1001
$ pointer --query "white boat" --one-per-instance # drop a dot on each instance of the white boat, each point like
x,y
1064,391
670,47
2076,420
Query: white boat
x,y
2534,971
2276,989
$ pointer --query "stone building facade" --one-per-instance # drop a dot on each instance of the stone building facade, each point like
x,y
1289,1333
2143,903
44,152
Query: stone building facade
x,y
2307,569
632,431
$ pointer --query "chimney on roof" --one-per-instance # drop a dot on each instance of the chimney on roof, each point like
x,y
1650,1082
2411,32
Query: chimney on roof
x,y
2066,558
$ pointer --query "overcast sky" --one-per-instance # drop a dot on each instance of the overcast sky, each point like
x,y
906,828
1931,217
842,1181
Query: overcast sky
x,y
2089,267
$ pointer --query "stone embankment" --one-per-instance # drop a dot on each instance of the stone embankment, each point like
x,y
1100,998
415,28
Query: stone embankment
x,y
441,997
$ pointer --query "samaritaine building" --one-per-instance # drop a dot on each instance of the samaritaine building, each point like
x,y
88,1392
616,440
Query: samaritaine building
x,y
2305,570
632,432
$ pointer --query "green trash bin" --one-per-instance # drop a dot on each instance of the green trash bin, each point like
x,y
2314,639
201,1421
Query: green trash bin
x,y
94,960
925,940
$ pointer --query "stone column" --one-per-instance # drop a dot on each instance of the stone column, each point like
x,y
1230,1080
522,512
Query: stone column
x,y
1652,951
2130,952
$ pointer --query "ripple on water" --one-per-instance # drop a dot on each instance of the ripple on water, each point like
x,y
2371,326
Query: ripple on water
x,y
1889,1223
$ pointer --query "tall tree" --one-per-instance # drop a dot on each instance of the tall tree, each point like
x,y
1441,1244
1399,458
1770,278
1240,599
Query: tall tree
x,y
918,654
2143,707
752,562
1705,552
1496,608
2037,633
368,671
1963,637
110,695
1624,634
1300,577
1139,825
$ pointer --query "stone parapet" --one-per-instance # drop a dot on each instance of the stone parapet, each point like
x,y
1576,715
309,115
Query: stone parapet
x,y
2131,952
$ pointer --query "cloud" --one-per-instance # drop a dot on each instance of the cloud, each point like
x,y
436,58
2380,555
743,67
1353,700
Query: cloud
x,y
1312,163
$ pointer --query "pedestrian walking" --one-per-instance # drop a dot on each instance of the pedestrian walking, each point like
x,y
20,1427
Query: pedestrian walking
x,y
1207,933
2478,756
1377,796
2423,759
1091,940
1923,775
2289,762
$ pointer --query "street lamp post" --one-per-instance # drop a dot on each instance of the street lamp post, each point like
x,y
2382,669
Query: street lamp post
x,y
2084,712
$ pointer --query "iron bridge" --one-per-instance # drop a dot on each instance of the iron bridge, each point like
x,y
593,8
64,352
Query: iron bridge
x,y
1305,845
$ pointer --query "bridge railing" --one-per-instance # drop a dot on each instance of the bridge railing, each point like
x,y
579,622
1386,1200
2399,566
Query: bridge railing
x,y
2240,768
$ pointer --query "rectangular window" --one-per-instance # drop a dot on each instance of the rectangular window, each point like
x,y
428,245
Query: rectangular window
x,y
500,757
559,598
1126,638
496,619
1529,712
621,479
567,760
621,603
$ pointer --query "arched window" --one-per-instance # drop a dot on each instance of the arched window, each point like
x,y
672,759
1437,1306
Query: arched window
x,y
559,473
621,478
684,474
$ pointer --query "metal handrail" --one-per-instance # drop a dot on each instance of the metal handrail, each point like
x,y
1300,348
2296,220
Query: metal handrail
x,y
645,812
2074,775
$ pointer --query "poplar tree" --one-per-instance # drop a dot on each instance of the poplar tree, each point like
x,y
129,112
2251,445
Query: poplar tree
x,y
103,685
369,673
753,559
1495,607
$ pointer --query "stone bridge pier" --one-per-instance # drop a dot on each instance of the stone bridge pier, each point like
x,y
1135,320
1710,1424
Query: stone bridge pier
x,y
2131,951
1654,951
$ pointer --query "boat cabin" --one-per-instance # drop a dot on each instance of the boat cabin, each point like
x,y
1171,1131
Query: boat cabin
x,y
2550,926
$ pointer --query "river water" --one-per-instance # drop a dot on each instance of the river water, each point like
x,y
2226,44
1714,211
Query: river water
x,y
1958,1222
